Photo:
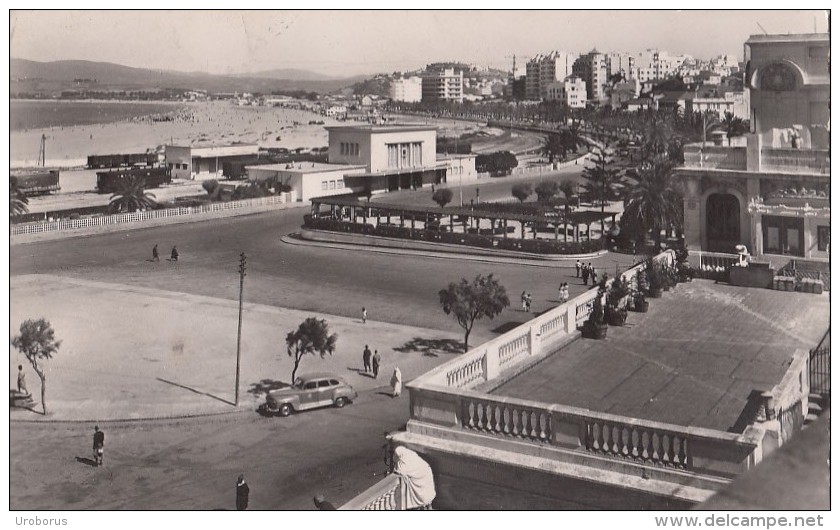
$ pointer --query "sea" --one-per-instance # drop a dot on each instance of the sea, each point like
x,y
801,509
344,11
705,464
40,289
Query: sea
x,y
37,114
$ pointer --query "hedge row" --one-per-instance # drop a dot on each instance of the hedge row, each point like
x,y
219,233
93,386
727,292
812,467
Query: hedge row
x,y
535,246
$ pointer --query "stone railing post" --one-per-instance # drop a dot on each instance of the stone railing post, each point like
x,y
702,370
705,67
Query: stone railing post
x,y
491,367
534,340
571,324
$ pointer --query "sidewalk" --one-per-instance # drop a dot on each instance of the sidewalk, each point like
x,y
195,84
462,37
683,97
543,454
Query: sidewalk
x,y
134,353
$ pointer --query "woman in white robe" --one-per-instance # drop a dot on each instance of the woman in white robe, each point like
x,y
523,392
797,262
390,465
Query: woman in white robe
x,y
417,479
396,382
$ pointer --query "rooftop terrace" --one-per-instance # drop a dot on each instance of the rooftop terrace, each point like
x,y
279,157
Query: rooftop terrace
x,y
692,360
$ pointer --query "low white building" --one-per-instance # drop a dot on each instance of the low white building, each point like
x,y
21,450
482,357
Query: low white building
x,y
307,180
199,162
460,169
571,91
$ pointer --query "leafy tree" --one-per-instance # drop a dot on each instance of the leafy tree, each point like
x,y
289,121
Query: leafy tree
x,y
546,190
468,302
602,182
653,202
442,196
567,188
521,191
131,196
312,336
498,163
734,126
213,189
18,201
37,343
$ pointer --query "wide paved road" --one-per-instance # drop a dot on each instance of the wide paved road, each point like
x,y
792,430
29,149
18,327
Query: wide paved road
x,y
194,463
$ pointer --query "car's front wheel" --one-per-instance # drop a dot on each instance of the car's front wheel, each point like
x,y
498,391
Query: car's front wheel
x,y
285,410
340,402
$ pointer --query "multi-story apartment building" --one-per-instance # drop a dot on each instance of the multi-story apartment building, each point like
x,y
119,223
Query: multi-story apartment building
x,y
407,89
571,91
620,63
592,68
444,84
545,69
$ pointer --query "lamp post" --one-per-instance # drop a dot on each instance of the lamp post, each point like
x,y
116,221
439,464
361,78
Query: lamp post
x,y
239,329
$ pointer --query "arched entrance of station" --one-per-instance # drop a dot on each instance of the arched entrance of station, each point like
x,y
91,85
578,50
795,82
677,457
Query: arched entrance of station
x,y
723,222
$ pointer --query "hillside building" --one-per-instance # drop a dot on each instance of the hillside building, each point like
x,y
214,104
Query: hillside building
x,y
445,84
406,89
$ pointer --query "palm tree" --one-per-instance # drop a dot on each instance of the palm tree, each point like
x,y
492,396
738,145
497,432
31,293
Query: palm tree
x,y
18,202
131,196
653,201
553,146
734,126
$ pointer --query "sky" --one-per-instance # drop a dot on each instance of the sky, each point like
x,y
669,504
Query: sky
x,y
343,43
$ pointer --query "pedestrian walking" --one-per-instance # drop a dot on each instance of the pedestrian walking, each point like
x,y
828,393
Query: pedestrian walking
x,y
364,316
577,269
396,383
21,381
585,274
523,298
98,445
376,360
366,358
174,254
528,303
155,255
242,493
322,503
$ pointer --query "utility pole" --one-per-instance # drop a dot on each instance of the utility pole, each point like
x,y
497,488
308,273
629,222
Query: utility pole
x,y
42,153
239,329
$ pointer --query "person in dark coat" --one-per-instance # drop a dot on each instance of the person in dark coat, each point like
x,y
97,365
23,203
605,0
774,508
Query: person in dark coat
x,y
366,358
585,274
322,504
376,360
242,492
98,445
155,255
174,254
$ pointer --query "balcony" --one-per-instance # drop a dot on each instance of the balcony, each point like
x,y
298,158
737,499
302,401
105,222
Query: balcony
x,y
772,160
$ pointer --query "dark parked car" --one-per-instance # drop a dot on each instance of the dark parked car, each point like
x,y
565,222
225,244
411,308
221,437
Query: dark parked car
x,y
308,392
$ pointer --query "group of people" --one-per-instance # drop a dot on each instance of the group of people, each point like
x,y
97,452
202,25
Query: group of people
x,y
173,256
371,364
563,295
526,301
587,272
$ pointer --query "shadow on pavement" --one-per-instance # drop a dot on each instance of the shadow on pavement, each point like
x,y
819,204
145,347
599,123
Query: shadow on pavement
x,y
266,385
507,326
85,460
360,371
185,387
431,347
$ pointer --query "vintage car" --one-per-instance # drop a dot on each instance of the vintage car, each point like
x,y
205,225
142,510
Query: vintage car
x,y
308,392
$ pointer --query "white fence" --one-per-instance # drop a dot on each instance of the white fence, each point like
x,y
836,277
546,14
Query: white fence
x,y
139,217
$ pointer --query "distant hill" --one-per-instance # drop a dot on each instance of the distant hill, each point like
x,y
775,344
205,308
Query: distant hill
x,y
54,77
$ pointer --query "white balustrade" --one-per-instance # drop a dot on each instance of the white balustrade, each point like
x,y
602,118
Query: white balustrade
x,y
505,419
135,217
516,347
636,443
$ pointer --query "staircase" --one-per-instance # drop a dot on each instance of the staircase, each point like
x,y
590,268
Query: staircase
x,y
819,378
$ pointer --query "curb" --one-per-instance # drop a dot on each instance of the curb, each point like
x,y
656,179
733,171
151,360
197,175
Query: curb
x,y
185,416
295,239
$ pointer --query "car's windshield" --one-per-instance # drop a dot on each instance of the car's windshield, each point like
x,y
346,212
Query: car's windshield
x,y
298,383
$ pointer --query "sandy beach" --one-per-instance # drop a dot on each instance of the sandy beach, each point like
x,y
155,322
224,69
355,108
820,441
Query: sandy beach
x,y
216,122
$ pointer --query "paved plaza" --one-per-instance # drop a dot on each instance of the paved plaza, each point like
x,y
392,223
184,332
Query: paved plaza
x,y
132,352
692,360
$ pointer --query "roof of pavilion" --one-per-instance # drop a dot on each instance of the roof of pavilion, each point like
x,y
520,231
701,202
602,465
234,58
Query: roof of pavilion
x,y
579,217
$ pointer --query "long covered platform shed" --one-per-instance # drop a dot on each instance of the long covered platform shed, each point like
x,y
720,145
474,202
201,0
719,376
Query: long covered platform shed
x,y
472,219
